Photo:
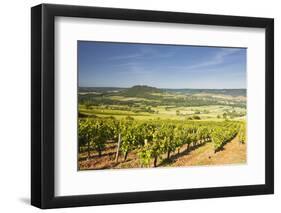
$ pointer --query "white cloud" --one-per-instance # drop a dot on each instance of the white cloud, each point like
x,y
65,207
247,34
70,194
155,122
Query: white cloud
x,y
144,53
216,59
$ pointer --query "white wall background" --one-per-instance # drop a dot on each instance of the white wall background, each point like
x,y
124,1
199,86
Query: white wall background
x,y
15,105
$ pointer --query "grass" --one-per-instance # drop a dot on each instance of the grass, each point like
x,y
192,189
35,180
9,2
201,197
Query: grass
x,y
178,113
210,112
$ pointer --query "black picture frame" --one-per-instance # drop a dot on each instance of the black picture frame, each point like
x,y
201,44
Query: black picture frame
x,y
43,110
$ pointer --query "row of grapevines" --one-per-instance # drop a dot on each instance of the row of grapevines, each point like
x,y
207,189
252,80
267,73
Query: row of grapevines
x,y
94,134
242,133
155,138
167,138
223,134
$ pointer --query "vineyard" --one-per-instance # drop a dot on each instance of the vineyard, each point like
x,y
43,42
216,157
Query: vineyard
x,y
138,109
152,141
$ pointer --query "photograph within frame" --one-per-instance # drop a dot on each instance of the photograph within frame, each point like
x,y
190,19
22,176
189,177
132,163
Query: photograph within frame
x,y
160,105
43,101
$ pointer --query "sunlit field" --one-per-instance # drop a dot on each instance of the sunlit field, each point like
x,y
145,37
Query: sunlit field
x,y
156,105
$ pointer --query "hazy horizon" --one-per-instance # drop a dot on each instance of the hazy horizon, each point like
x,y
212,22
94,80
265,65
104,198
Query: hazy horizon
x,y
161,87
123,65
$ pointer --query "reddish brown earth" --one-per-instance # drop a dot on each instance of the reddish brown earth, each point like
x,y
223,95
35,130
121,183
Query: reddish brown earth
x,y
232,153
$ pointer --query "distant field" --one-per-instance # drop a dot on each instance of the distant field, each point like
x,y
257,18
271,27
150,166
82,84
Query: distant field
x,y
180,113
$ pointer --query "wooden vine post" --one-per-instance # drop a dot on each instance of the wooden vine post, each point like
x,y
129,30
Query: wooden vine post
x,y
118,147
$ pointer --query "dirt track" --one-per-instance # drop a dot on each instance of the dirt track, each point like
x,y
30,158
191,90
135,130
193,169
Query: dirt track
x,y
232,153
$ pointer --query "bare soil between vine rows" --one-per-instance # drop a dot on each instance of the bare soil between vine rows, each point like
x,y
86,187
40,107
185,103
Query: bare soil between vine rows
x,y
232,153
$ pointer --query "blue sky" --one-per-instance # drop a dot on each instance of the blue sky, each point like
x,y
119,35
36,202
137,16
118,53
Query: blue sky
x,y
106,64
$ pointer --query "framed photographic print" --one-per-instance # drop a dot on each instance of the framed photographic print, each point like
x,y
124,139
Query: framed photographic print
x,y
140,106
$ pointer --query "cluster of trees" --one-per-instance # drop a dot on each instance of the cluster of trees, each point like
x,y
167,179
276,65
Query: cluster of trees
x,y
152,140
232,114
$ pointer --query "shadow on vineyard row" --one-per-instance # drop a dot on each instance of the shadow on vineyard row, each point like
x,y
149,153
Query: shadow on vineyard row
x,y
130,144
107,159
